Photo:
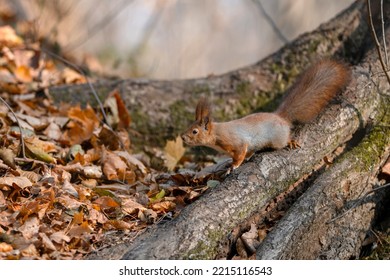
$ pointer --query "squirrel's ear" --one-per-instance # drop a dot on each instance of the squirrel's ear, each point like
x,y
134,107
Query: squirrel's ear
x,y
203,111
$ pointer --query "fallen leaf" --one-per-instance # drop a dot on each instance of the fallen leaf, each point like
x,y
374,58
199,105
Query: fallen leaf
x,y
148,216
30,227
8,157
250,239
23,74
78,218
81,125
117,224
46,242
163,206
8,37
132,161
80,229
38,149
5,247
174,150
129,206
70,76
96,216
106,202
68,187
3,203
124,116
386,167
53,131
113,166
30,251
93,172
21,182
59,236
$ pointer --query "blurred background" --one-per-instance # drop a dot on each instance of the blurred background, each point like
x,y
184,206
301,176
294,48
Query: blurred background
x,y
166,39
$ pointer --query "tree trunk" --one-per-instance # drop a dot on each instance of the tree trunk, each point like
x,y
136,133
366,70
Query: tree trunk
x,y
357,121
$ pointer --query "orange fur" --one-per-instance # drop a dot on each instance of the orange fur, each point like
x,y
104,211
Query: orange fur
x,y
242,137
313,90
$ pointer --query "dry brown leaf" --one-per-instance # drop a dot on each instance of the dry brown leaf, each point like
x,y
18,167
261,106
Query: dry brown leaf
x,y
70,76
31,175
130,206
81,125
30,251
148,216
70,189
3,203
36,123
93,172
80,229
250,239
117,224
113,166
96,216
5,247
53,131
30,227
21,182
23,74
78,218
39,149
386,167
132,161
163,206
8,157
106,202
174,150
124,116
240,248
8,37
46,242
59,237
69,202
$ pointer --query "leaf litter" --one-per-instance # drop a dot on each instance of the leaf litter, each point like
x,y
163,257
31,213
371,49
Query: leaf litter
x,y
80,182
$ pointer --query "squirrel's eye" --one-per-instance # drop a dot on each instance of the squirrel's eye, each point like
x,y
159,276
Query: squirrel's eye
x,y
195,131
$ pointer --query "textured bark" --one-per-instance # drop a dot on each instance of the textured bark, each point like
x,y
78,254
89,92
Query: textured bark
x,y
202,229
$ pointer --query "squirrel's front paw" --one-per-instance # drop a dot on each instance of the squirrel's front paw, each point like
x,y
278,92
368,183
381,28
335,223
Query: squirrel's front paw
x,y
292,144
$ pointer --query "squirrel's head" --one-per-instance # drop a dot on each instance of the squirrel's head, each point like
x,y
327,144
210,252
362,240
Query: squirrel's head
x,y
199,133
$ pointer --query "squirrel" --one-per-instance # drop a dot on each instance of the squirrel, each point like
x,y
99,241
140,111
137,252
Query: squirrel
x,y
240,138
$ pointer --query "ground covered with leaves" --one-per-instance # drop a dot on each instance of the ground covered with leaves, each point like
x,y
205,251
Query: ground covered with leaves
x,y
68,177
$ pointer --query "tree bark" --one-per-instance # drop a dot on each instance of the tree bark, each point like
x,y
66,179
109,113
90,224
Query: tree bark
x,y
358,120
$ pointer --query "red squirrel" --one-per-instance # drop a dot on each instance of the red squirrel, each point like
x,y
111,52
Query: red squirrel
x,y
242,137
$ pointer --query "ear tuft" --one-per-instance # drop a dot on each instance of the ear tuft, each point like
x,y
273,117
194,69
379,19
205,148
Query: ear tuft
x,y
203,111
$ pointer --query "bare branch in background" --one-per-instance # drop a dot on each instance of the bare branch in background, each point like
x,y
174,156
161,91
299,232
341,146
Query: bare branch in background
x,y
79,70
384,37
110,16
378,46
271,22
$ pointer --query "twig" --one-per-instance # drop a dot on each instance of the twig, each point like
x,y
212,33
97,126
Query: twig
x,y
378,46
271,22
358,202
384,36
20,128
101,24
78,69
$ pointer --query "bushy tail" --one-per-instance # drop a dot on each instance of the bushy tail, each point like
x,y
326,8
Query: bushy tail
x,y
313,90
